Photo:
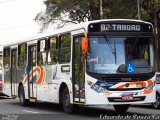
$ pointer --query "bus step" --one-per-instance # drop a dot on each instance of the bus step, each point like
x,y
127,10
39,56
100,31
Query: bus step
x,y
32,99
13,96
79,103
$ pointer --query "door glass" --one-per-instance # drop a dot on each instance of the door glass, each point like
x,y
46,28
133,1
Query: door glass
x,y
33,56
79,77
31,64
14,71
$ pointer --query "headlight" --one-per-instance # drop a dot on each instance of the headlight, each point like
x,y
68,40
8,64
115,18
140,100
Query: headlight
x,y
148,88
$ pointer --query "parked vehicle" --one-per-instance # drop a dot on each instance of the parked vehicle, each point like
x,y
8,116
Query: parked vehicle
x,y
157,103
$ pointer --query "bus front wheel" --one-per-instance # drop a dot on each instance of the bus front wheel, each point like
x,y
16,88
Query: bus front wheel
x,y
67,106
156,104
121,108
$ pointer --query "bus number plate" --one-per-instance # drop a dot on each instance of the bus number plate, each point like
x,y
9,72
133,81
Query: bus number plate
x,y
127,97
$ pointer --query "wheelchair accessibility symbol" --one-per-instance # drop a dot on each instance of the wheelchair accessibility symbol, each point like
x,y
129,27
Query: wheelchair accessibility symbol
x,y
130,68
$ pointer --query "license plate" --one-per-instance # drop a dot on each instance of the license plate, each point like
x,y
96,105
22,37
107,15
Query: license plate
x,y
127,98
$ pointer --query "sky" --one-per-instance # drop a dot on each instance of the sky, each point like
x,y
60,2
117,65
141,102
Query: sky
x,y
17,19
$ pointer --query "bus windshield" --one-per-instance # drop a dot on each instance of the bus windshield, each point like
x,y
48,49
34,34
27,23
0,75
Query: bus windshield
x,y
113,55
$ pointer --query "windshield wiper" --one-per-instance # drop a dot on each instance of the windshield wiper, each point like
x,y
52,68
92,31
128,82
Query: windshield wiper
x,y
111,45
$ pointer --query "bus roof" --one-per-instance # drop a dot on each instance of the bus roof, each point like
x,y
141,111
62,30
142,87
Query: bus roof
x,y
66,29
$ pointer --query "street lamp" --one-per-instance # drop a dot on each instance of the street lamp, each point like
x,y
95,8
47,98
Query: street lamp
x,y
101,9
138,8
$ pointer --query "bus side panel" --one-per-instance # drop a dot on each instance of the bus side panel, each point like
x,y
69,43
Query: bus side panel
x,y
53,86
42,88
7,81
93,97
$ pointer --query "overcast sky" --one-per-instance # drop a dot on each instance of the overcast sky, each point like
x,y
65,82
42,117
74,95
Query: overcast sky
x,y
17,19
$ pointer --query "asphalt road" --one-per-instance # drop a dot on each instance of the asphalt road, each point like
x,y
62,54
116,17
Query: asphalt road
x,y
10,109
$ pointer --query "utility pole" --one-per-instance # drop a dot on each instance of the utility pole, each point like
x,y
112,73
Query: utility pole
x,y
101,9
138,8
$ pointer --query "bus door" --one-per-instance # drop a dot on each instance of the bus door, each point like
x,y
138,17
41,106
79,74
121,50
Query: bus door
x,y
78,72
14,72
32,87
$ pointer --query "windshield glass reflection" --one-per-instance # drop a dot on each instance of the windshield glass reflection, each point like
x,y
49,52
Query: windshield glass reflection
x,y
119,55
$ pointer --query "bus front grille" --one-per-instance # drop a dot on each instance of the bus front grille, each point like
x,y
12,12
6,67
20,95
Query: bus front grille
x,y
124,89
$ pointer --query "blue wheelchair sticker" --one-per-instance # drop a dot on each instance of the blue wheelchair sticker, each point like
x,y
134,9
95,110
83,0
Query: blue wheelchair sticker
x,y
130,68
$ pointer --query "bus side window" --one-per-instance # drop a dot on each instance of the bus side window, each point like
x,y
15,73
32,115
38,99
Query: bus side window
x,y
6,60
42,52
22,54
52,51
65,48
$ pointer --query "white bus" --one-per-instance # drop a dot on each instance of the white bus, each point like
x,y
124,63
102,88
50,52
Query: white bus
x,y
103,62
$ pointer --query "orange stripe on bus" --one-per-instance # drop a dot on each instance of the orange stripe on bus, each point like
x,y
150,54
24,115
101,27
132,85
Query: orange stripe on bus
x,y
41,75
141,83
40,79
149,82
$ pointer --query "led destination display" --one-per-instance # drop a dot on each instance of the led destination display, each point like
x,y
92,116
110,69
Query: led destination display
x,y
119,27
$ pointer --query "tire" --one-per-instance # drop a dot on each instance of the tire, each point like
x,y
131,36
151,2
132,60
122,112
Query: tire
x,y
22,99
67,106
156,104
121,108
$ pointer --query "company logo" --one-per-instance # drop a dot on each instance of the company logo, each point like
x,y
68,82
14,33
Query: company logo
x,y
127,85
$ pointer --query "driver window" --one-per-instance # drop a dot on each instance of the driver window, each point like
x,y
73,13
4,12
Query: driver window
x,y
137,51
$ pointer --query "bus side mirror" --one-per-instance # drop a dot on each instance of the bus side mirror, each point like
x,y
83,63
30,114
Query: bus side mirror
x,y
84,44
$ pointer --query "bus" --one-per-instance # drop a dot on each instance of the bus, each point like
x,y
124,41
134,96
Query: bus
x,y
102,62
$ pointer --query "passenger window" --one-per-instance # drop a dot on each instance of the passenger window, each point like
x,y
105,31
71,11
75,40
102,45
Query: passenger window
x,y
6,60
65,48
42,52
22,54
52,52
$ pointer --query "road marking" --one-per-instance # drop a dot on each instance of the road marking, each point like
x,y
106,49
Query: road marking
x,y
30,111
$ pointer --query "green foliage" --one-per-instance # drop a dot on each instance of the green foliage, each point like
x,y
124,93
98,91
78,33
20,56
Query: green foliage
x,y
76,11
68,11
118,9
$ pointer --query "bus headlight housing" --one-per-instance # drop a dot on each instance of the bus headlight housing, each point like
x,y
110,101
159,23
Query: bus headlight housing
x,y
150,87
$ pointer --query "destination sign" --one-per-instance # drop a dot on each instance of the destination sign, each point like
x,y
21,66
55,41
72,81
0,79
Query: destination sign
x,y
119,27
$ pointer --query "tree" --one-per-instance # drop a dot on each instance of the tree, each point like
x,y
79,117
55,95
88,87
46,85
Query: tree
x,y
118,9
68,11
151,9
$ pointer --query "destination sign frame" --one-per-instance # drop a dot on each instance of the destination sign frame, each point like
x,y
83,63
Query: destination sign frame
x,y
119,27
